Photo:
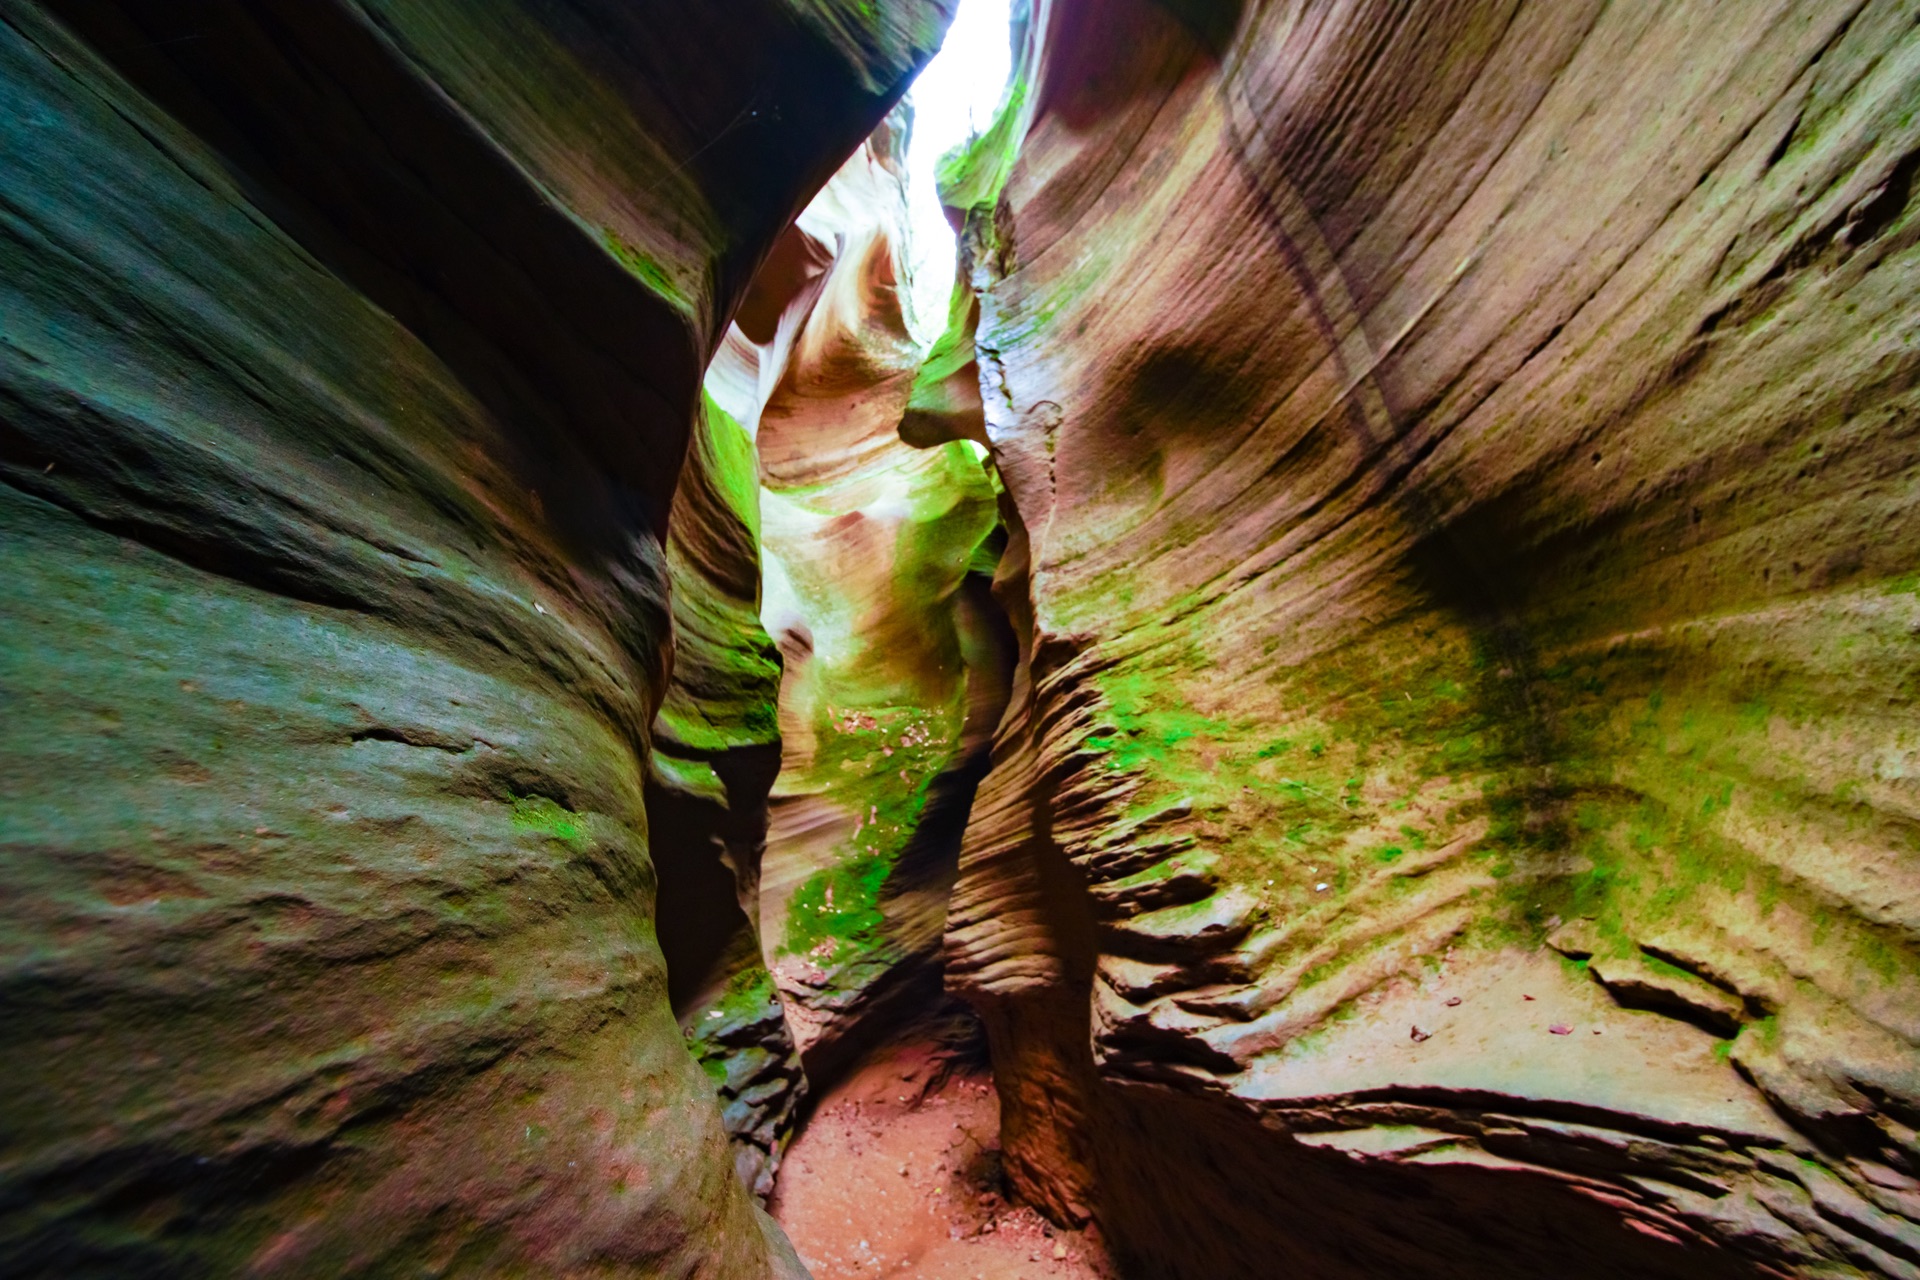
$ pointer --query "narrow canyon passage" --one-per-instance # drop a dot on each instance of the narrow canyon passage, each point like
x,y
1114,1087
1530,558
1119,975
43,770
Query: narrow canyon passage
x,y
1344,703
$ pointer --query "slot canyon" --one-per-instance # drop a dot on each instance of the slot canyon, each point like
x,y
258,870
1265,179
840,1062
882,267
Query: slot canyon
x,y
1347,706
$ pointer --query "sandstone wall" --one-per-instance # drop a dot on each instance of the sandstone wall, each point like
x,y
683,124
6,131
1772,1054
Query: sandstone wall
x,y
1458,815
350,354
878,555
716,749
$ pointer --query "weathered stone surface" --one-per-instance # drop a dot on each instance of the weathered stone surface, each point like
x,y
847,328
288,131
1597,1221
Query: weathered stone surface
x,y
350,352
716,750
1463,462
878,556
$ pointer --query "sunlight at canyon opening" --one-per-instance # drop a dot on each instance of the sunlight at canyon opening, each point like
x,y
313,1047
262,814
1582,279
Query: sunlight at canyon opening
x,y
953,99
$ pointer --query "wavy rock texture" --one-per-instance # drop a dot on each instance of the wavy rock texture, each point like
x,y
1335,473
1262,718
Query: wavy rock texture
x,y
878,557
716,750
350,354
1458,811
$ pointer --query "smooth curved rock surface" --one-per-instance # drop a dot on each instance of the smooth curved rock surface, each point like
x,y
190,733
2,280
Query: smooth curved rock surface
x,y
716,749
350,355
1464,465
878,556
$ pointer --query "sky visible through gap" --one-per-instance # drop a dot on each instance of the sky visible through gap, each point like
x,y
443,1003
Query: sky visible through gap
x,y
953,99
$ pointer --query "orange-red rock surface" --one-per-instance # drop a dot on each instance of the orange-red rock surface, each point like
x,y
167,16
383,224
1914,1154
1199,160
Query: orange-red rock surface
x,y
878,557
1458,811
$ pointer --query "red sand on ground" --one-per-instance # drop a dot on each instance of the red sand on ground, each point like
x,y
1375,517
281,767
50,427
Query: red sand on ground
x,y
898,1174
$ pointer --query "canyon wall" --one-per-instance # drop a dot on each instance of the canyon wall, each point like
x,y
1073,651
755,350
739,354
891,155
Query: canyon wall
x,y
1458,812
878,557
716,749
351,351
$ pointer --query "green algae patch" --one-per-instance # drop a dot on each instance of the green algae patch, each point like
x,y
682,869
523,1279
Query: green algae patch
x,y
544,817
837,906
726,676
744,999
952,351
1342,784
1149,721
972,175
746,995
648,269
733,466
727,1034
953,514
944,403
880,765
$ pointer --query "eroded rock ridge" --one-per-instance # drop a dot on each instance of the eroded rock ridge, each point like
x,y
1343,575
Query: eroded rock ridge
x,y
1457,812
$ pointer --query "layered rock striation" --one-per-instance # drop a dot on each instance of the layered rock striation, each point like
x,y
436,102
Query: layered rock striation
x,y
351,352
878,557
716,750
1457,810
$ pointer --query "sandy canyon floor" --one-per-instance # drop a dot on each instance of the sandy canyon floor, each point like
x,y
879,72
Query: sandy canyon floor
x,y
898,1174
